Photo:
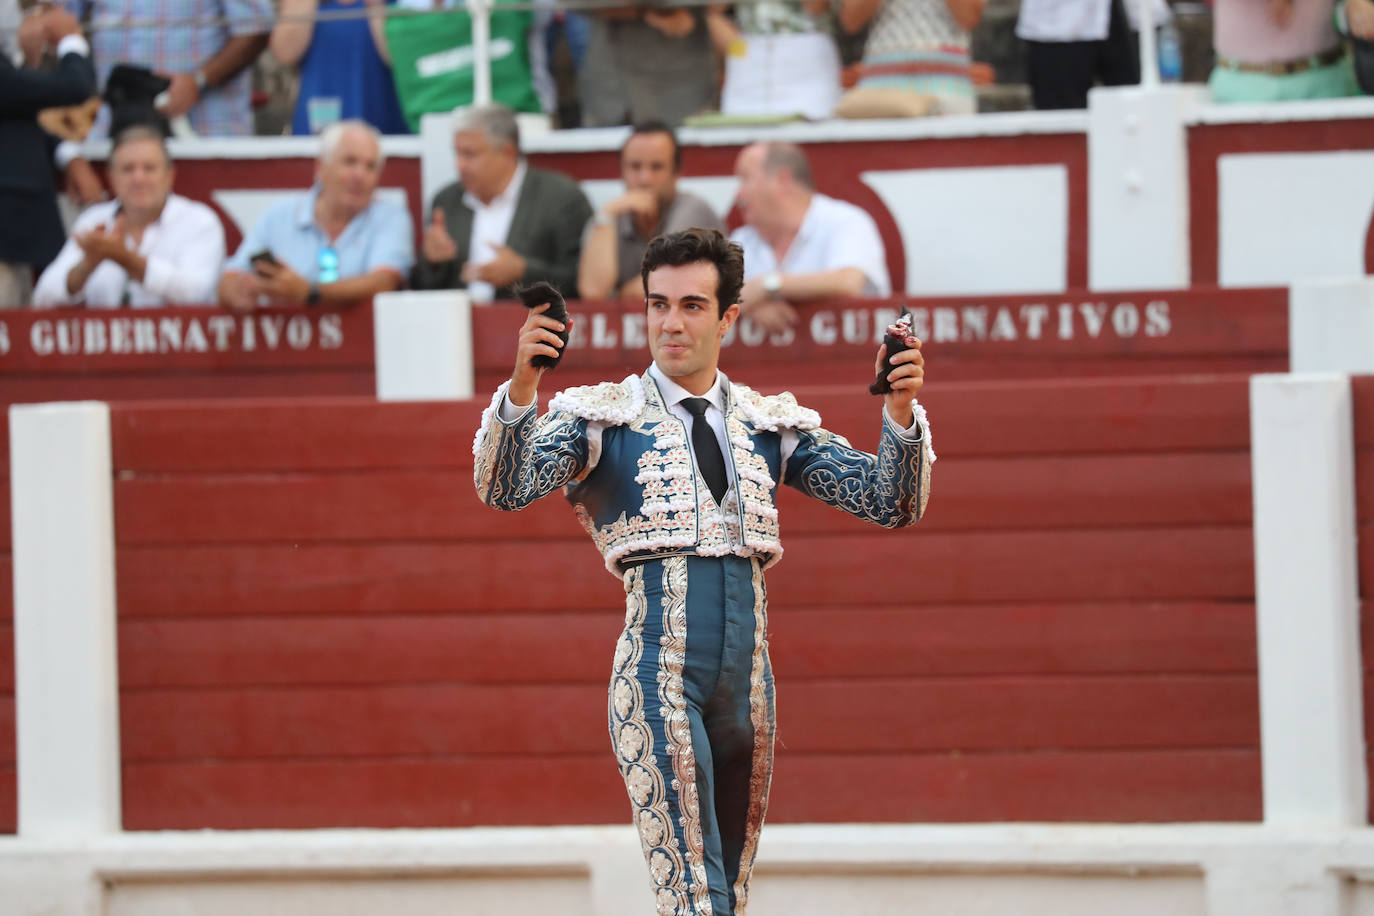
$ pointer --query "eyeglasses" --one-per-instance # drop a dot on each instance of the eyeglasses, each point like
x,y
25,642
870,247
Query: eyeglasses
x,y
328,264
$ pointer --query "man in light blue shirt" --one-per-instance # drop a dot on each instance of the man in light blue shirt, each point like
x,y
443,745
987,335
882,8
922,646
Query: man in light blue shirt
x,y
335,243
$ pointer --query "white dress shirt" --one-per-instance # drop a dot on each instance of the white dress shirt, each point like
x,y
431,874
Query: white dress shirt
x,y
834,234
490,226
1079,20
183,247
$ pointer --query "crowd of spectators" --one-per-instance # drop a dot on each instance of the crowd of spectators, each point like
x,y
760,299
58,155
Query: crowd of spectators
x,y
502,225
184,67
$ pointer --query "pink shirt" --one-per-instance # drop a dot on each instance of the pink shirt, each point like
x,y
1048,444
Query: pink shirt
x,y
1243,31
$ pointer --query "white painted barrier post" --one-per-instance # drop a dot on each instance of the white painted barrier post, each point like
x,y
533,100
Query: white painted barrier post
x,y
1311,722
66,686
1331,325
423,346
1138,186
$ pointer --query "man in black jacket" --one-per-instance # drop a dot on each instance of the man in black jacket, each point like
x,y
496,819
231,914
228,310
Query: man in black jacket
x,y
503,222
31,230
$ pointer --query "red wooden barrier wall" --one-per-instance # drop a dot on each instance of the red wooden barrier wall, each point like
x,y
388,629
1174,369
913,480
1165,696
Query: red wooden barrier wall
x,y
264,487
320,625
72,354
9,815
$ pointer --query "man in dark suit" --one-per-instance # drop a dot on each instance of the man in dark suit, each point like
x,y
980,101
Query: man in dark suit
x,y
31,231
503,222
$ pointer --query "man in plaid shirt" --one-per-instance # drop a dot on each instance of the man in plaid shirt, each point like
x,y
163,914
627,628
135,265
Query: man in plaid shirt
x,y
205,47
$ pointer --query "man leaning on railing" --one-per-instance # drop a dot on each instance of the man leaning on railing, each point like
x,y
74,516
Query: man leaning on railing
x,y
336,243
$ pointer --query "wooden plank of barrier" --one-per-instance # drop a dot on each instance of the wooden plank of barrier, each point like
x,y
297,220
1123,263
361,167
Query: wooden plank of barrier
x,y
9,799
1097,415
509,791
1136,785
1102,712
1362,394
1164,563
216,384
815,643
1032,492
1144,786
302,434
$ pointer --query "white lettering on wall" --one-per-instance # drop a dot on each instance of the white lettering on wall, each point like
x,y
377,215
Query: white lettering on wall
x,y
299,332
122,334
603,338
634,330
1035,317
95,339
40,338
331,332
1126,319
1157,323
194,341
221,326
271,326
823,329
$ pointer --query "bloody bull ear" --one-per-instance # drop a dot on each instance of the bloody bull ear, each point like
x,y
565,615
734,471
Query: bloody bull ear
x,y
894,342
535,295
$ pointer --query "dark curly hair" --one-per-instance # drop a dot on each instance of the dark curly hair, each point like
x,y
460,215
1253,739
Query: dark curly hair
x,y
678,249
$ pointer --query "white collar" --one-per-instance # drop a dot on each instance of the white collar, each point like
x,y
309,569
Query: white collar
x,y
674,394
506,198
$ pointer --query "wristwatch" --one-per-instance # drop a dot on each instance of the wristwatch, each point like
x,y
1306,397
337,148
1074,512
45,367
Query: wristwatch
x,y
772,284
201,82
312,295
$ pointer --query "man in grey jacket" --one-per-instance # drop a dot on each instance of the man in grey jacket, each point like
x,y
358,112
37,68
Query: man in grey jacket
x,y
503,222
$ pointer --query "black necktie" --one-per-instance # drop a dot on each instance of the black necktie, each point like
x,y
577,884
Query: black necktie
x,y
707,447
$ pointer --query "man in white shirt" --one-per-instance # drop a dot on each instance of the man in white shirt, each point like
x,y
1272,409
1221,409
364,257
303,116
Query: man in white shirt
x,y
503,222
146,248
800,245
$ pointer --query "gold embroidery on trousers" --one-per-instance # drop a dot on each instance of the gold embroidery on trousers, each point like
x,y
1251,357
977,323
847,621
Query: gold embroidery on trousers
x,y
761,719
678,730
633,741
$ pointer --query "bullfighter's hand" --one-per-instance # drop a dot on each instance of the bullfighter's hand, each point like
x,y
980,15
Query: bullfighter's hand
x,y
906,374
537,338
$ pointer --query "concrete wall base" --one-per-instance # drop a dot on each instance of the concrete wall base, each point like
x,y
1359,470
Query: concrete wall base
x,y
956,870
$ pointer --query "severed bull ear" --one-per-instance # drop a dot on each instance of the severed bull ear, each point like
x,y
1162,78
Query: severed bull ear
x,y
897,339
535,295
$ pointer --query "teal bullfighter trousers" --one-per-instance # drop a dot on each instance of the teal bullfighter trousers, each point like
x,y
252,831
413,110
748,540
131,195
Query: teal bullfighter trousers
x,y
692,719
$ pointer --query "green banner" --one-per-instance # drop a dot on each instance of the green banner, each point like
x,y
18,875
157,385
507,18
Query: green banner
x,y
431,61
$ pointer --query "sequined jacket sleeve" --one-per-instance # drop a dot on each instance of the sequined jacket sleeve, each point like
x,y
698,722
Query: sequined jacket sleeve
x,y
515,462
888,489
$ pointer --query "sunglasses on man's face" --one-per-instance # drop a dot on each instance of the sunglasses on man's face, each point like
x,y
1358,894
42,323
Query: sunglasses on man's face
x,y
328,264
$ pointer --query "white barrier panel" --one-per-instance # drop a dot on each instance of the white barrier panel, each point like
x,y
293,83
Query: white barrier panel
x,y
1331,326
424,346
65,681
1311,723
1138,186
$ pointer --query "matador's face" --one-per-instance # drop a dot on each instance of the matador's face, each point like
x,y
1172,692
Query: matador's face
x,y
685,325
